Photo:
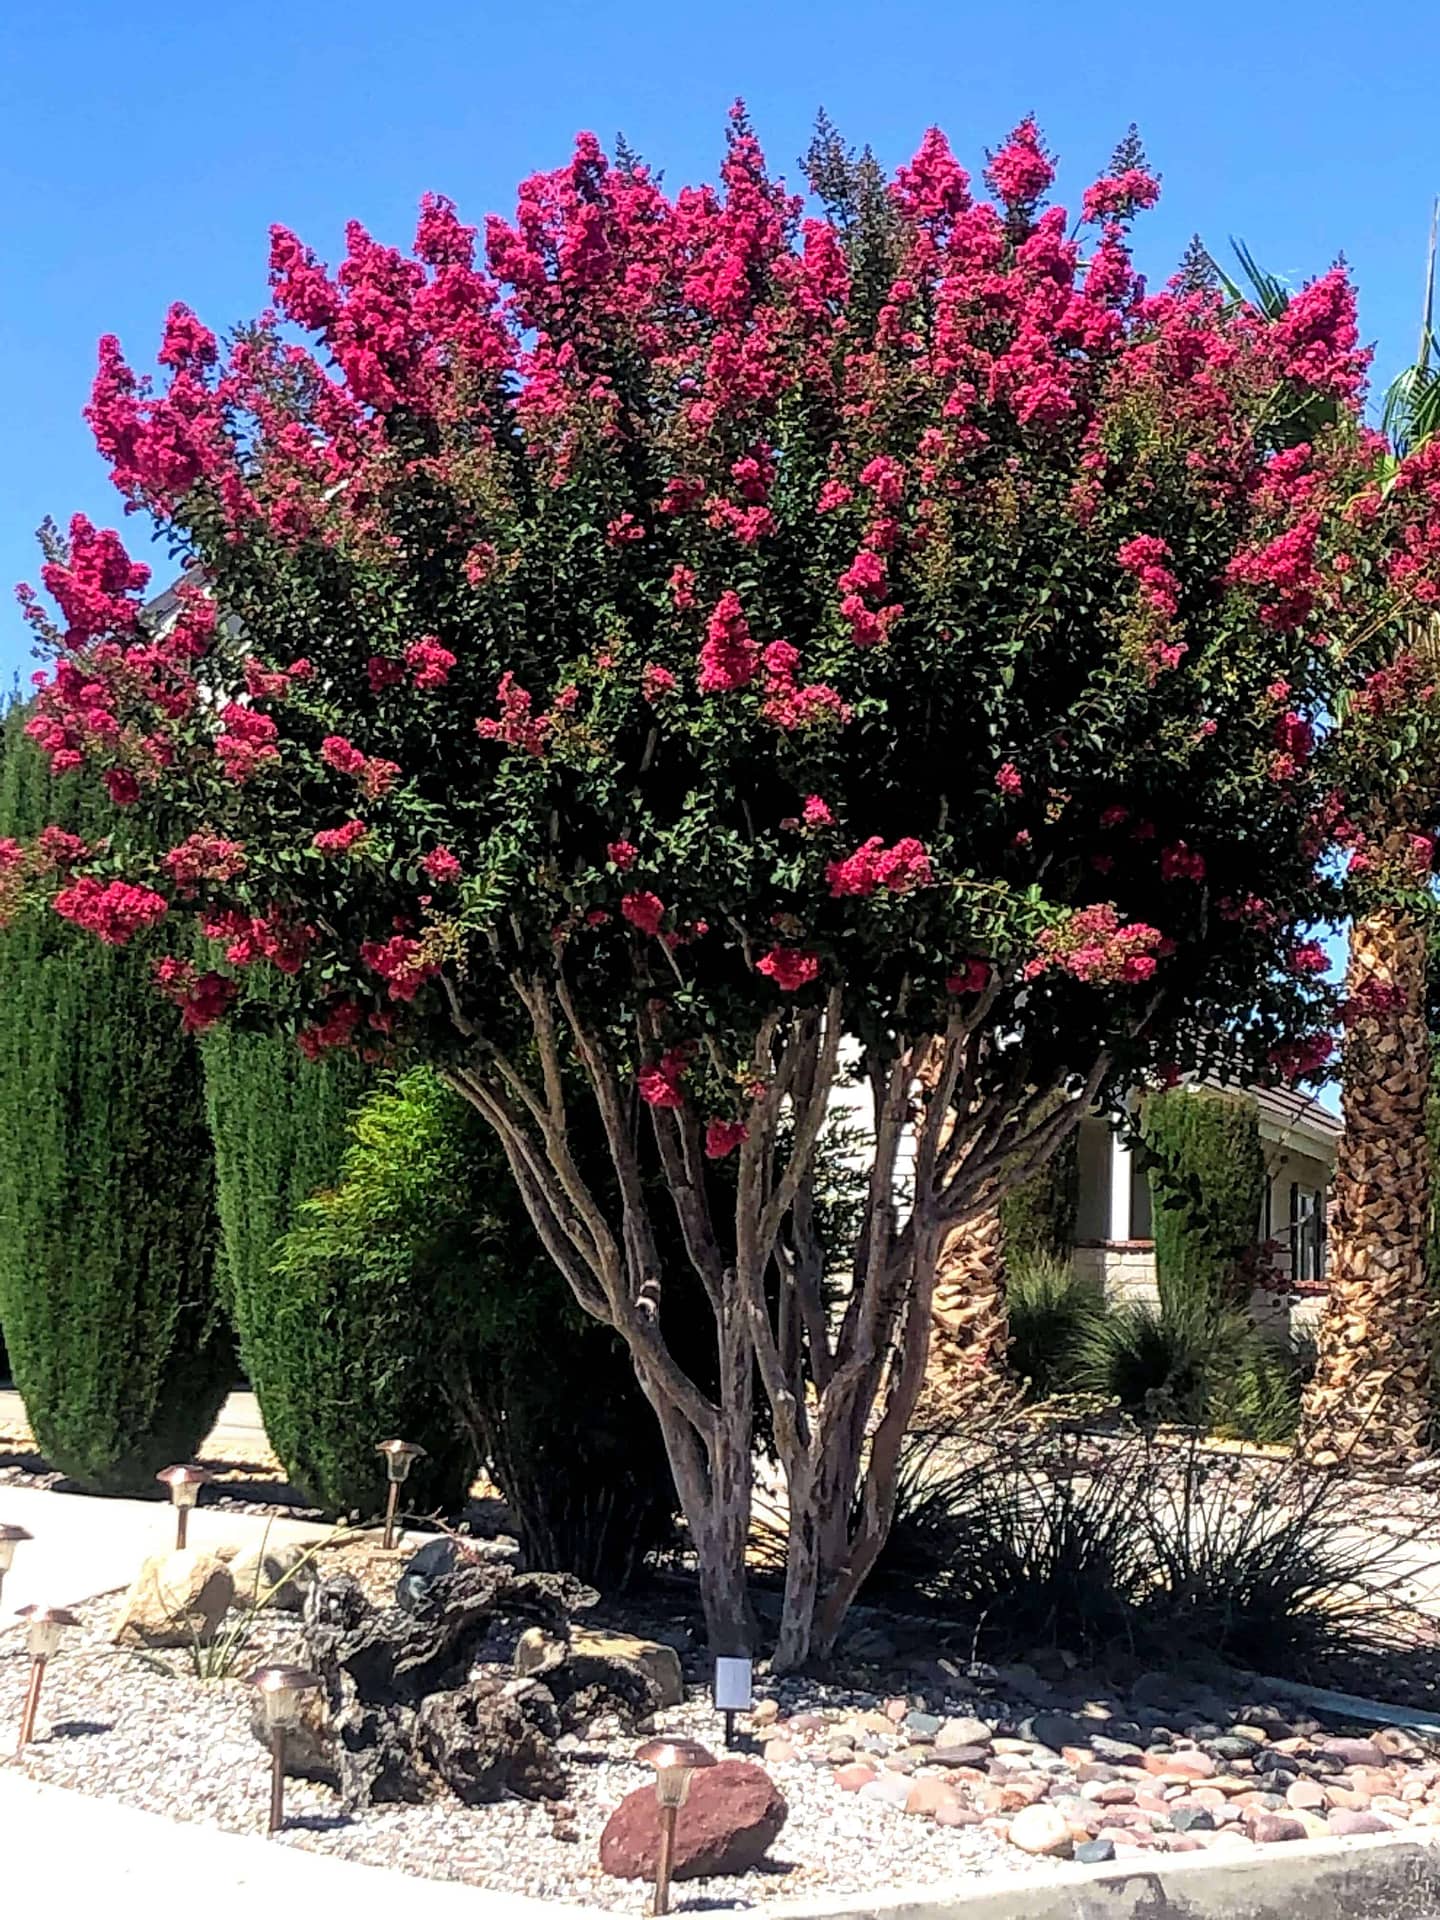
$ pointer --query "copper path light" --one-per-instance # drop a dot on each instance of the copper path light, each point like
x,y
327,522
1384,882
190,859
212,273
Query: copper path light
x,y
45,1630
10,1538
184,1484
674,1762
280,1688
400,1456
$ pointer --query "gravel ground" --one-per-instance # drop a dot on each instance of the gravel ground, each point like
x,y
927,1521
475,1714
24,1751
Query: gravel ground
x,y
113,1725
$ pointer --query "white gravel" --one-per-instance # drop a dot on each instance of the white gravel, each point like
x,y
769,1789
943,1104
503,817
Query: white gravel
x,y
115,1725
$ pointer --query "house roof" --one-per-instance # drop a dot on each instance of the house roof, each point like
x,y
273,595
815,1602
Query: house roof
x,y
1288,1115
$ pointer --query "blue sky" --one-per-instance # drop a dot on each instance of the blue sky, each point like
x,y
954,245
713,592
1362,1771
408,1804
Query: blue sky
x,y
145,150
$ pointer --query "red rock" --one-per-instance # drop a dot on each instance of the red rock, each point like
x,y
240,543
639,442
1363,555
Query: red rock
x,y
1347,1799
896,1710
1188,1764
956,1815
928,1794
1343,1822
1076,1756
1115,1793
1012,1797
732,1816
850,1779
1270,1829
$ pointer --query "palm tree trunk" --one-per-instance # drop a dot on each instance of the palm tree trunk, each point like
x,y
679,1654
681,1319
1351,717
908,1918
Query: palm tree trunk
x,y
965,1375
1370,1400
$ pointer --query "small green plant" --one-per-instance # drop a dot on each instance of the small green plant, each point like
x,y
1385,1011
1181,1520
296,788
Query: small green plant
x,y
1157,1364
223,1657
1259,1397
1053,1315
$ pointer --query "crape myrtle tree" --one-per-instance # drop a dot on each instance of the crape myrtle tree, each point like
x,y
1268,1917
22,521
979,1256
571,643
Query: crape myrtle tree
x,y
618,672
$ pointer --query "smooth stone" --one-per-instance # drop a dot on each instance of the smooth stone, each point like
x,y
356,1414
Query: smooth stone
x,y
955,1815
1041,1830
964,1733
777,1752
891,1789
1343,1822
1273,1829
922,1727
958,1756
1353,1753
1117,1752
1306,1796
1056,1730
1192,1820
1232,1746
1093,1853
852,1778
928,1794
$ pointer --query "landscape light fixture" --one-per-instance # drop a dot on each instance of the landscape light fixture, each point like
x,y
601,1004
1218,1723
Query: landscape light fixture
x,y
733,1690
184,1484
400,1456
674,1762
280,1688
45,1630
10,1538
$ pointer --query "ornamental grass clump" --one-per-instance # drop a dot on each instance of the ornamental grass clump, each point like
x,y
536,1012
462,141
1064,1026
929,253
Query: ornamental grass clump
x,y
618,663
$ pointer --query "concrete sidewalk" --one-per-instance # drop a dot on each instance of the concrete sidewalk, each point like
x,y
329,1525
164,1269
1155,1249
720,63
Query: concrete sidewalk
x,y
64,1854
238,1434
83,1546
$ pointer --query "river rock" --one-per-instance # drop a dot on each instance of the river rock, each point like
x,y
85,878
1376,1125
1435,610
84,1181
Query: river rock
x,y
1043,1830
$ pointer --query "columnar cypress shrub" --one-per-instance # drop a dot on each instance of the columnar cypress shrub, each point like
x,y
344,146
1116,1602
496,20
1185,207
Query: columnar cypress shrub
x,y
107,1218
1207,1184
280,1124
1038,1217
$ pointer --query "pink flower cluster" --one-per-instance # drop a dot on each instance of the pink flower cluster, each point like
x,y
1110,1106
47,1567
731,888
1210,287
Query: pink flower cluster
x,y
973,976
203,856
645,911
899,869
789,967
429,662
336,1030
334,841
1181,863
1094,945
722,1137
1119,195
791,707
250,938
114,911
660,1084
1149,558
373,776
401,962
248,741
95,588
203,998
441,866
518,725
730,656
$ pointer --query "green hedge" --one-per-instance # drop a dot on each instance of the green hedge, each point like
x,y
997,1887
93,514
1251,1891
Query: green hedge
x,y
415,1299
107,1214
1207,1184
1038,1217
